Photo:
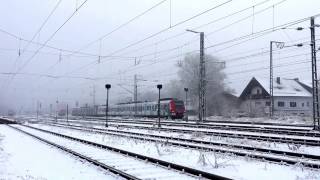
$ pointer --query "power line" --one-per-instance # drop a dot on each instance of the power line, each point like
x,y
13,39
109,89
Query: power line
x,y
210,33
37,51
157,33
288,24
277,66
203,25
52,35
46,75
216,20
40,28
118,27
177,47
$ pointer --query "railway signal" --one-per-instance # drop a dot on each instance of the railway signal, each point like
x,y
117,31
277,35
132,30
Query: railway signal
x,y
108,86
159,86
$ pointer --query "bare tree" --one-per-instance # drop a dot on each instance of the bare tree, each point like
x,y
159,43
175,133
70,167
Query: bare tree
x,y
218,102
215,88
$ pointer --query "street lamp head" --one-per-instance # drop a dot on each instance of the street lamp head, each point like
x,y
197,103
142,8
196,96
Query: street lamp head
x,y
108,86
299,28
299,45
159,86
189,30
186,89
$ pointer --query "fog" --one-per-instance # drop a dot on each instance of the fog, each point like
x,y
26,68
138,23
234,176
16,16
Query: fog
x,y
72,57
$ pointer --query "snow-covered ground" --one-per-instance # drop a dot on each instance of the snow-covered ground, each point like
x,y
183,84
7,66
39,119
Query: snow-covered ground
x,y
24,158
295,120
228,140
303,120
222,164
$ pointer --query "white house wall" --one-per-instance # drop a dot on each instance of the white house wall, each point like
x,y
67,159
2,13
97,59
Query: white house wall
x,y
304,105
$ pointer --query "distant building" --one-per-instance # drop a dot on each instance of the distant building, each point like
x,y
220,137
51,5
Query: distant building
x,y
290,97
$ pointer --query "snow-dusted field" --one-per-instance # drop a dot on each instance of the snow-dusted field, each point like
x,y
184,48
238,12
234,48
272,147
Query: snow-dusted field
x,y
228,140
222,164
24,158
304,120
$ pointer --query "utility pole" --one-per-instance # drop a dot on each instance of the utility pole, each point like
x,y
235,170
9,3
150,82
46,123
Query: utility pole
x,y
57,110
135,94
202,84
271,83
315,92
202,79
67,113
135,89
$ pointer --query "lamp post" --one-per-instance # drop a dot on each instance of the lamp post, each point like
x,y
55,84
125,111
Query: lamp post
x,y
159,86
202,77
279,45
108,86
186,104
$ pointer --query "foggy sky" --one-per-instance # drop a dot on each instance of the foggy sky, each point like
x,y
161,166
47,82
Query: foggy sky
x,y
99,17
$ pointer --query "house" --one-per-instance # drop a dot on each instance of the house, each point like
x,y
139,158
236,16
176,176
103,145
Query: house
x,y
290,97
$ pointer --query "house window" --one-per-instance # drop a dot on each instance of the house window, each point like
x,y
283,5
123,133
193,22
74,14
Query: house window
x,y
258,91
268,103
302,104
293,104
280,104
308,104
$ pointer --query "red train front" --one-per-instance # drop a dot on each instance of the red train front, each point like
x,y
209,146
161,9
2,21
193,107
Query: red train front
x,y
176,108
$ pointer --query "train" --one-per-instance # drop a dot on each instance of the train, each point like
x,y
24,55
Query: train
x,y
169,108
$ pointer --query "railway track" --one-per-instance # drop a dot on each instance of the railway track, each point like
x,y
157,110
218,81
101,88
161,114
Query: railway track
x,y
296,131
302,140
207,122
275,156
124,163
230,127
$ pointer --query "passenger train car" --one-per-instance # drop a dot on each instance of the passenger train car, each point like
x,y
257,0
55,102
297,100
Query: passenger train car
x,y
169,108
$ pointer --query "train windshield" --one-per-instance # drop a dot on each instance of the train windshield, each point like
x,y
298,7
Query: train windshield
x,y
179,104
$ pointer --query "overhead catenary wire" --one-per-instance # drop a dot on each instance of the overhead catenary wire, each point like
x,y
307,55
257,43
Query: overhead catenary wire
x,y
58,49
157,33
260,3
259,33
198,27
38,31
52,35
207,34
118,27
